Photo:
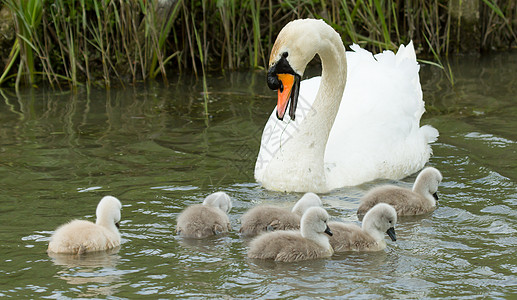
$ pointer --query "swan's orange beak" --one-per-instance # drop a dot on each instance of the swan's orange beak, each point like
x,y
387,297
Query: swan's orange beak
x,y
284,94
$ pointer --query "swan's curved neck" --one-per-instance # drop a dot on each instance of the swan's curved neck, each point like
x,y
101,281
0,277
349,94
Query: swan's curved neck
x,y
315,128
370,228
107,224
421,187
328,98
330,92
319,238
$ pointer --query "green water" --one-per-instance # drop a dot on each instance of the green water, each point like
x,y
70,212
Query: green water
x,y
155,150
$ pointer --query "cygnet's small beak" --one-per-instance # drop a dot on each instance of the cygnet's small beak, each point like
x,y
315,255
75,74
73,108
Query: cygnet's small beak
x,y
117,224
391,233
435,195
327,231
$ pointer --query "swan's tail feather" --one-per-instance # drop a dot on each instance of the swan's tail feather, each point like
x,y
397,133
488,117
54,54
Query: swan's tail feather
x,y
406,52
357,49
430,133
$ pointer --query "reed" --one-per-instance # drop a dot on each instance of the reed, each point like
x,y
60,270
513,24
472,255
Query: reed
x,y
27,18
68,42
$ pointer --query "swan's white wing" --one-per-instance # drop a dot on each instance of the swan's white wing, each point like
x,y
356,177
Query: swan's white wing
x,y
377,133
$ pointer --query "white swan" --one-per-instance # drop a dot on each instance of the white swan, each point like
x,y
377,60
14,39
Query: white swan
x,y
379,220
207,219
310,242
79,236
420,200
270,218
340,136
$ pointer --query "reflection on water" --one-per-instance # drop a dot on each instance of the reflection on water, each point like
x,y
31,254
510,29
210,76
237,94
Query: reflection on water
x,y
96,270
105,259
151,147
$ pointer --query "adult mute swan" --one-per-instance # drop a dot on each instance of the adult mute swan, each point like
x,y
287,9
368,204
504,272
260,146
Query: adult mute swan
x,y
310,242
207,219
341,136
422,199
80,236
270,218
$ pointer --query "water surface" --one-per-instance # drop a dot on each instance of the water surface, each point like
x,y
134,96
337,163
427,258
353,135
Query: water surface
x,y
154,149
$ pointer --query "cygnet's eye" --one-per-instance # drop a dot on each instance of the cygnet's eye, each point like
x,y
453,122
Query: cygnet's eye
x,y
285,54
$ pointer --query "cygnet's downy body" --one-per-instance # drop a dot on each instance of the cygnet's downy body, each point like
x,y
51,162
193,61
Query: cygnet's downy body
x,y
310,242
80,236
264,218
422,199
377,222
207,219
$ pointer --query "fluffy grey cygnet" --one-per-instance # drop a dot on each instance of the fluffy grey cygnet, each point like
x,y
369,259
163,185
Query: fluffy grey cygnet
x,y
379,220
270,218
310,242
422,199
207,219
80,236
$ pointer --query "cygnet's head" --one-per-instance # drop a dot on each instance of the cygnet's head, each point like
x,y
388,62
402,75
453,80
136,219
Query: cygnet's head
x,y
108,211
314,220
428,181
381,219
220,200
308,200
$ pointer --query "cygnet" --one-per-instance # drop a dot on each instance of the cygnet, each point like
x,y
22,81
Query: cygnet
x,y
270,218
80,236
422,199
379,220
310,242
207,219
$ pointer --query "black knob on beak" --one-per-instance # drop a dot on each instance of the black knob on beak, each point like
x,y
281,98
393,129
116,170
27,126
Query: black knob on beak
x,y
273,82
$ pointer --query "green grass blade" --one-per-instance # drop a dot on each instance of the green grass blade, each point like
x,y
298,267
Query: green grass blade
x,y
493,6
432,63
385,31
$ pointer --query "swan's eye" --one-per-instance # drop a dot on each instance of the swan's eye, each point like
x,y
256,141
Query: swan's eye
x,y
285,54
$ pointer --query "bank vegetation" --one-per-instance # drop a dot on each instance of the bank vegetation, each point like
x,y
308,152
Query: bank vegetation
x,y
65,43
